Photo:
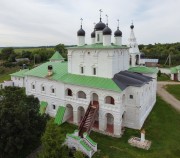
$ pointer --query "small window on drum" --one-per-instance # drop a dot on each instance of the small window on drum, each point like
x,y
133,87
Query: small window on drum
x,y
131,96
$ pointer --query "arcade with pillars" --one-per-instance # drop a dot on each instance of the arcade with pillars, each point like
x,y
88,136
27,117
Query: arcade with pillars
x,y
106,121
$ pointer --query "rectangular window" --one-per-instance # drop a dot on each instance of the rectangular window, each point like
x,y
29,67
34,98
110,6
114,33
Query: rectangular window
x,y
52,90
98,37
82,70
94,71
131,96
33,86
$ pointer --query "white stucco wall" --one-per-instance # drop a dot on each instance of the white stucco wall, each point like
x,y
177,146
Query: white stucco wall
x,y
18,81
106,61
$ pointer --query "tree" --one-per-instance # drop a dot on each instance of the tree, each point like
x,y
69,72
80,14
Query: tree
x,y
6,52
62,50
78,154
21,125
52,141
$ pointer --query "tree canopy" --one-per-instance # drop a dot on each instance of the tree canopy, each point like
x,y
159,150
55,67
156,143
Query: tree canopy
x,y
52,141
21,125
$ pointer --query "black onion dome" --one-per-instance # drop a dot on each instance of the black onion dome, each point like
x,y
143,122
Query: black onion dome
x,y
107,31
100,26
81,32
118,33
93,34
132,26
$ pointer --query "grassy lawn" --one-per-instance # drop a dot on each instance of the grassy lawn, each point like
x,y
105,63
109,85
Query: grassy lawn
x,y
5,75
174,90
163,77
162,128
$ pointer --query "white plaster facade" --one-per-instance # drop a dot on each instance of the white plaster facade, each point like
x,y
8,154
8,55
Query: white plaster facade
x,y
113,61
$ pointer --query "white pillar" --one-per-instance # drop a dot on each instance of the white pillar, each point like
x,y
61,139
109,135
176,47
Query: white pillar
x,y
142,135
75,116
102,122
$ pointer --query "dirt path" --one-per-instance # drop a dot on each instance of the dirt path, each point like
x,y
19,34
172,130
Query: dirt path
x,y
167,96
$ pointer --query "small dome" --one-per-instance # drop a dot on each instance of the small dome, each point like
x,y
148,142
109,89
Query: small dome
x,y
100,26
81,32
107,31
132,26
118,33
93,34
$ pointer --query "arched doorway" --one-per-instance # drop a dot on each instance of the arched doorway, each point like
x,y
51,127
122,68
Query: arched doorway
x,y
95,102
95,98
69,114
109,123
81,113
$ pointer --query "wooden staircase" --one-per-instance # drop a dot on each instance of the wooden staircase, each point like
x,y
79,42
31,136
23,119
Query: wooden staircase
x,y
89,118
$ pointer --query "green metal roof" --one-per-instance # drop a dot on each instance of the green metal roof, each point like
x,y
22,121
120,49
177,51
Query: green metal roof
x,y
85,145
73,136
60,73
91,81
56,56
60,115
20,73
59,69
43,106
98,46
174,70
143,69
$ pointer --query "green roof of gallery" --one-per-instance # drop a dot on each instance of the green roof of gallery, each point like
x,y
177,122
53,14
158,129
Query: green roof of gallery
x,y
175,70
60,73
143,69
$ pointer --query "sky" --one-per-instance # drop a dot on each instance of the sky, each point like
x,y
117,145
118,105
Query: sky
x,y
50,22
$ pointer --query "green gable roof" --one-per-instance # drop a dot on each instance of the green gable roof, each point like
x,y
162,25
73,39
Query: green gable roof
x,y
59,69
60,73
20,73
143,69
175,70
56,56
99,46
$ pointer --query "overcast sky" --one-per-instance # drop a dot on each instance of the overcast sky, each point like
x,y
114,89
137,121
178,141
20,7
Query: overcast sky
x,y
49,22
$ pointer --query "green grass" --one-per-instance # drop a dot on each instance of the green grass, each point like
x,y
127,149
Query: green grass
x,y
162,128
163,77
174,90
5,75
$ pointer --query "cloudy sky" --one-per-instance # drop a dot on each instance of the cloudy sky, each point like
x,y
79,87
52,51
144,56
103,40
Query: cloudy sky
x,y
49,22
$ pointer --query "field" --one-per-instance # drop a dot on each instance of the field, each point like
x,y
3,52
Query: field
x,y
5,75
19,50
174,90
162,128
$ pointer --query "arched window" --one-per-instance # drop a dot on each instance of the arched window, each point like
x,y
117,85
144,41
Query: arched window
x,y
82,95
130,60
68,92
53,107
109,100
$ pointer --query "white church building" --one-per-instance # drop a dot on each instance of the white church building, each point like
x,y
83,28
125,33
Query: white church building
x,y
99,88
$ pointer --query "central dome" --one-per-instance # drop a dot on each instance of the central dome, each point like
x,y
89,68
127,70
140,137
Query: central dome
x,y
100,26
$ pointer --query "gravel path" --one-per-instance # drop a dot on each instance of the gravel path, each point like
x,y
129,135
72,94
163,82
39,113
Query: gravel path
x,y
167,96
